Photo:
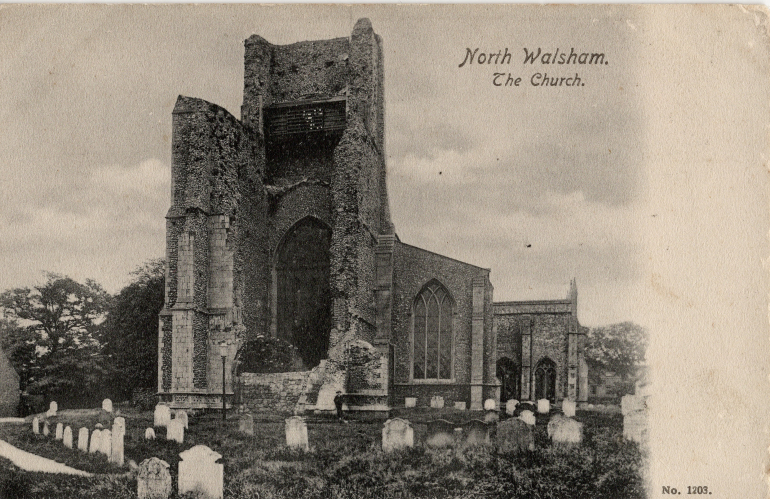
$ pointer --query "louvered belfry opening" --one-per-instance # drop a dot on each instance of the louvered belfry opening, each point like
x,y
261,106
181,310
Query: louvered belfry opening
x,y
285,120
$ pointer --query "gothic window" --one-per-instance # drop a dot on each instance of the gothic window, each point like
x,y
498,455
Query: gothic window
x,y
545,380
432,340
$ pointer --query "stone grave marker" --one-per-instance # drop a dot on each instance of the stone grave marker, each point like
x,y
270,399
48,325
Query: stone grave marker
x,y
181,415
118,435
199,472
175,431
46,431
514,435
162,415
510,406
107,405
149,434
246,423
53,408
96,442
564,430
296,433
490,405
568,407
491,417
67,437
437,402
153,481
397,434
528,417
36,425
475,432
105,443
83,439
59,431
441,433
543,406
460,406
410,402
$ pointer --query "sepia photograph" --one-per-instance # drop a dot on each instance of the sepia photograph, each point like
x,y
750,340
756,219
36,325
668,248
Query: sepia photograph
x,y
384,251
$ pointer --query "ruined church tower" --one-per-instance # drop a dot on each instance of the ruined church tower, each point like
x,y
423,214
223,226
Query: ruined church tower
x,y
275,218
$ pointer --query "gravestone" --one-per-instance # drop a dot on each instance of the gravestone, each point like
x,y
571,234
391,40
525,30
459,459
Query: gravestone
x,y
528,417
67,437
199,472
96,442
118,434
83,439
36,425
182,416
149,434
510,406
460,406
475,432
107,405
564,430
246,423
437,402
568,407
491,417
543,406
162,415
53,408
397,434
59,431
296,433
410,402
46,431
490,405
105,443
514,435
175,431
153,481
441,433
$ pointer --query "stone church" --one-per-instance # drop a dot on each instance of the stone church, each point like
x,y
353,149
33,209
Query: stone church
x,y
280,226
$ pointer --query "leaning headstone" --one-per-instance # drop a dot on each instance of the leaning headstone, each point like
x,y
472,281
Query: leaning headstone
x,y
514,435
437,402
568,407
83,439
107,405
67,437
149,434
96,442
53,408
118,434
153,481
476,432
36,425
46,431
105,443
563,430
490,405
199,472
296,433
510,406
162,415
246,423
182,416
175,431
397,434
543,406
410,402
59,431
460,406
441,433
528,417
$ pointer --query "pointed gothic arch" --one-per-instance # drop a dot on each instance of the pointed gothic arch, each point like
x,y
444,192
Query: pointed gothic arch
x,y
545,380
433,333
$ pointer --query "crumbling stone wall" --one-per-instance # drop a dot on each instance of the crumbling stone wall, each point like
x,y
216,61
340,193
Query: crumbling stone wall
x,y
276,392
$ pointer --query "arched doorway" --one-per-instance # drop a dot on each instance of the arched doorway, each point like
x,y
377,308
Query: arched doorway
x,y
304,312
508,374
545,380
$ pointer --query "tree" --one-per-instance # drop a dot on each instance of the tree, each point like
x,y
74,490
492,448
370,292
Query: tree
x,y
619,348
52,336
130,333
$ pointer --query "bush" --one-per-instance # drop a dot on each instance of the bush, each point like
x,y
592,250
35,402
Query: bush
x,y
143,399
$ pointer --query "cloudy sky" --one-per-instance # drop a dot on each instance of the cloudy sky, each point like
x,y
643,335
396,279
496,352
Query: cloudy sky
x,y
648,184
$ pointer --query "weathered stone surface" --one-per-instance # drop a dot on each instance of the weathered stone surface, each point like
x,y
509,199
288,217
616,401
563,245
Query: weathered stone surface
x,y
528,417
162,415
46,430
149,434
397,434
153,481
96,442
105,442
181,415
53,408
67,437
199,472
118,434
490,405
437,402
36,425
564,430
514,435
510,406
568,407
441,433
476,432
175,431
83,439
543,406
296,433
107,405
246,423
410,401
59,431
491,417
460,406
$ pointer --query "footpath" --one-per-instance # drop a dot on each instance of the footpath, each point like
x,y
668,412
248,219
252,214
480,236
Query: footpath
x,y
31,462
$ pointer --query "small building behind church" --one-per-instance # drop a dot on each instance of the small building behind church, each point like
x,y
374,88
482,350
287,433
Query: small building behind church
x,y
280,226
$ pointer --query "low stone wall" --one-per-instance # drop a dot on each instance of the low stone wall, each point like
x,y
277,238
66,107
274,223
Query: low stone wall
x,y
276,391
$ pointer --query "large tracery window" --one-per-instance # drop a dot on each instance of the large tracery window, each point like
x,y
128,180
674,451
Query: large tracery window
x,y
432,341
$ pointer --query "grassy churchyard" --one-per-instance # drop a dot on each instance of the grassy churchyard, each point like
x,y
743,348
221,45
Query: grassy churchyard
x,y
344,461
